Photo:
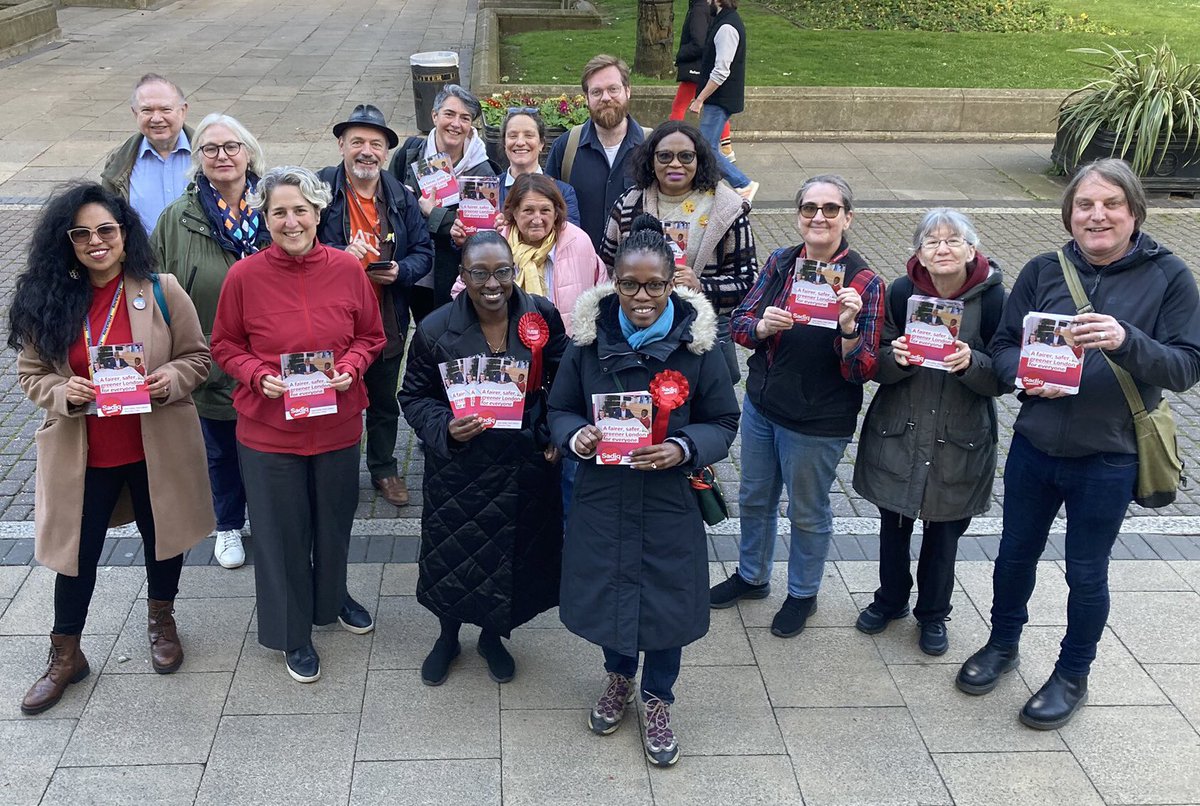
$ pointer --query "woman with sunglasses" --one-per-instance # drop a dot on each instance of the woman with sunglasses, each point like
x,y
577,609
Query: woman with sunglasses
x,y
802,401
198,237
491,538
928,445
90,282
676,179
635,558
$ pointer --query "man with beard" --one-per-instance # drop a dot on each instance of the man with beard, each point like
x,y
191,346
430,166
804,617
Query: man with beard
x,y
594,156
376,218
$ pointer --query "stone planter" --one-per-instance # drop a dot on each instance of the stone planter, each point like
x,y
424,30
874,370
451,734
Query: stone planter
x,y
495,144
1176,170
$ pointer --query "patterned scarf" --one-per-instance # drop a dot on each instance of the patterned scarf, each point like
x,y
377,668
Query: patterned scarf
x,y
238,231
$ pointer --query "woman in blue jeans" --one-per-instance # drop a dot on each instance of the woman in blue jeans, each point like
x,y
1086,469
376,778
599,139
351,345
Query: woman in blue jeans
x,y
803,395
1080,450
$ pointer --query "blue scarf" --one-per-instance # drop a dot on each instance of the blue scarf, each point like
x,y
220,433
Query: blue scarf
x,y
239,232
656,332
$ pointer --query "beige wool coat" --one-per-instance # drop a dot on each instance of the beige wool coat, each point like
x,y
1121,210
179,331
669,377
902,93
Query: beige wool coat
x,y
180,495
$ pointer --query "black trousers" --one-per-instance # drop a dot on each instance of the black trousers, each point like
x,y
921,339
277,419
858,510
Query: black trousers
x,y
101,488
421,302
303,509
935,568
383,415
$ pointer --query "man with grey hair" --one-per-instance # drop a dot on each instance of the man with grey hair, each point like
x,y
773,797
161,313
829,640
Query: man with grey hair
x,y
153,167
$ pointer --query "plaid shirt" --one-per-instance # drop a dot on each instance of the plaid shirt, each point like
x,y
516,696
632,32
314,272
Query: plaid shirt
x,y
858,365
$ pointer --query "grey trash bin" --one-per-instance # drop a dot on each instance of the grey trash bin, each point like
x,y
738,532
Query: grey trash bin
x,y
431,71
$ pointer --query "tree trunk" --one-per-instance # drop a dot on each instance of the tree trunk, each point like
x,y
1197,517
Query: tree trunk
x,y
655,41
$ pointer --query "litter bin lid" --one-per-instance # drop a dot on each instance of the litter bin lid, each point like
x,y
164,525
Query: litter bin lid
x,y
434,58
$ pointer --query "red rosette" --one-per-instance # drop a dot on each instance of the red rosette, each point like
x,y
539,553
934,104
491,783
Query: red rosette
x,y
669,389
535,334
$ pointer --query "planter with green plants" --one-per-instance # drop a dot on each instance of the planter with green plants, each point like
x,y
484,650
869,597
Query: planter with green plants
x,y
559,113
1145,109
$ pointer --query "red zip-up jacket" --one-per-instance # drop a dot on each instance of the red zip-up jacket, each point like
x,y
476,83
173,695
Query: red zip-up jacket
x,y
274,303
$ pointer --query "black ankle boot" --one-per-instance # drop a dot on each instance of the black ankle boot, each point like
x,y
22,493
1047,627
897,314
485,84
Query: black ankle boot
x,y
1056,702
980,673
501,666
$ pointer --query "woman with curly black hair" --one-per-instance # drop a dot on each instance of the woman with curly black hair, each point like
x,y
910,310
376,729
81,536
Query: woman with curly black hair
x,y
90,282
676,179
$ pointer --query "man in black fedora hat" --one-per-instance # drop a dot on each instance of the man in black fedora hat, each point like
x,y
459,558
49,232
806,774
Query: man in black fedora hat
x,y
376,218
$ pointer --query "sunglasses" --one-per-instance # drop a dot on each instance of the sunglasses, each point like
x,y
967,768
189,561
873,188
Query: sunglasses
x,y
829,209
533,111
503,274
630,288
83,236
230,148
667,157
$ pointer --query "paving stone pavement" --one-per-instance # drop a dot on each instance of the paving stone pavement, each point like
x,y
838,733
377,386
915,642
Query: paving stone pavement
x,y
829,717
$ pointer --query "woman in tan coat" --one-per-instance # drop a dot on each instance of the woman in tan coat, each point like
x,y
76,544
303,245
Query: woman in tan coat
x,y
89,283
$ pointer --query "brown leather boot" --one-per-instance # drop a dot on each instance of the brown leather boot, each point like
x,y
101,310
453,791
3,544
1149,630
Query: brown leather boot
x,y
166,653
66,665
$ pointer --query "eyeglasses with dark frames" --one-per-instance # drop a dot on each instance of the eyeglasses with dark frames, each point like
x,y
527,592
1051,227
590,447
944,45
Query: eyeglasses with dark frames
x,y
654,288
231,148
83,236
667,157
503,274
829,209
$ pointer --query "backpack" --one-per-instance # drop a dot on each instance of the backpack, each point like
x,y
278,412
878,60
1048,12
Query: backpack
x,y
573,137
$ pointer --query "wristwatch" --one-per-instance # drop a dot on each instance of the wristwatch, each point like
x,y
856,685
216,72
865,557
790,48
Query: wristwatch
x,y
853,334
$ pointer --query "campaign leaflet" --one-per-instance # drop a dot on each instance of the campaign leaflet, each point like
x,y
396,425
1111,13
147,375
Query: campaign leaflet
x,y
306,377
624,421
436,177
479,203
1049,356
677,237
492,387
815,285
119,372
932,329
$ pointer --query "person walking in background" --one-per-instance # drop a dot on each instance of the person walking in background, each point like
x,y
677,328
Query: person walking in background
x,y
689,63
722,86
301,474
198,237
1081,450
89,282
928,445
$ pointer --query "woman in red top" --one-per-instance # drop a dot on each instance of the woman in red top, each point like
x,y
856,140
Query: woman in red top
x,y
301,474
89,282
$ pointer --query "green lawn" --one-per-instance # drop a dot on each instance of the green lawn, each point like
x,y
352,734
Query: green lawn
x,y
782,54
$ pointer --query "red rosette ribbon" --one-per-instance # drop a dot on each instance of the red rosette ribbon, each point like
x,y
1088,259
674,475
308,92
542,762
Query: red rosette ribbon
x,y
535,334
668,390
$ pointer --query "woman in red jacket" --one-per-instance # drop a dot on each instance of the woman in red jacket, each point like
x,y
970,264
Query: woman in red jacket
x,y
301,474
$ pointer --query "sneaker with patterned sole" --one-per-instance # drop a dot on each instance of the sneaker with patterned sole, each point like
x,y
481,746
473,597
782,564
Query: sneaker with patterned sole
x,y
662,750
605,717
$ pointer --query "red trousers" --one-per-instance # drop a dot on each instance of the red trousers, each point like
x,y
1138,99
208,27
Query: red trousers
x,y
683,97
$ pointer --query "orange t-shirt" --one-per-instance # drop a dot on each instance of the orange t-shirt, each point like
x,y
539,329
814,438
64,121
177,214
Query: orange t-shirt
x,y
364,224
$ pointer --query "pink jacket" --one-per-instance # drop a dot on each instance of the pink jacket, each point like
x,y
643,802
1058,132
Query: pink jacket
x,y
576,269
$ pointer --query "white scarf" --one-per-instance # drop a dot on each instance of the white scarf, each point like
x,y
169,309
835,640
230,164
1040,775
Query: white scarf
x,y
474,152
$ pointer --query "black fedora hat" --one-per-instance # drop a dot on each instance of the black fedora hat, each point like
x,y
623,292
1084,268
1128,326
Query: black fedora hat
x,y
367,115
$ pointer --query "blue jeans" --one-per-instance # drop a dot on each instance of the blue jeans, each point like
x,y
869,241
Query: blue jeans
x,y
772,457
224,473
712,121
659,673
1097,490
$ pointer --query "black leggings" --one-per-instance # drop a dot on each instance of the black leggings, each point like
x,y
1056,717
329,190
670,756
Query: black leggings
x,y
101,488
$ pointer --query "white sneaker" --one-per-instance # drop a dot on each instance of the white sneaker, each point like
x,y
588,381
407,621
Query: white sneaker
x,y
228,550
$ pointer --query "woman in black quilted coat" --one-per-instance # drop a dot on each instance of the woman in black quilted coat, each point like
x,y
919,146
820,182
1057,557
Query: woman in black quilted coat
x,y
635,558
491,531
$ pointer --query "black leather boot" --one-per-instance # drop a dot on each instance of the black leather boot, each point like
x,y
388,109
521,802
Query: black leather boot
x,y
980,673
1056,702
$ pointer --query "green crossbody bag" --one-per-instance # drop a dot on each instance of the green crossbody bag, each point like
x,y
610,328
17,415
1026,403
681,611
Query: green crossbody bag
x,y
1160,469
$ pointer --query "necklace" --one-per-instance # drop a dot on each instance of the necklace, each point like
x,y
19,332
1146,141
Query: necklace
x,y
503,344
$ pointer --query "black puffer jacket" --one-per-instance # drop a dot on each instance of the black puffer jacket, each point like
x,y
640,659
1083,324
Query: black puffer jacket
x,y
635,558
491,533
928,444
1153,295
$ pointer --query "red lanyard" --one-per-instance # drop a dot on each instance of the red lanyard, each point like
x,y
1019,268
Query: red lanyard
x,y
112,312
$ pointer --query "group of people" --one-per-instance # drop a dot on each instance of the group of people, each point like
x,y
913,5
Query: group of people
x,y
579,284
